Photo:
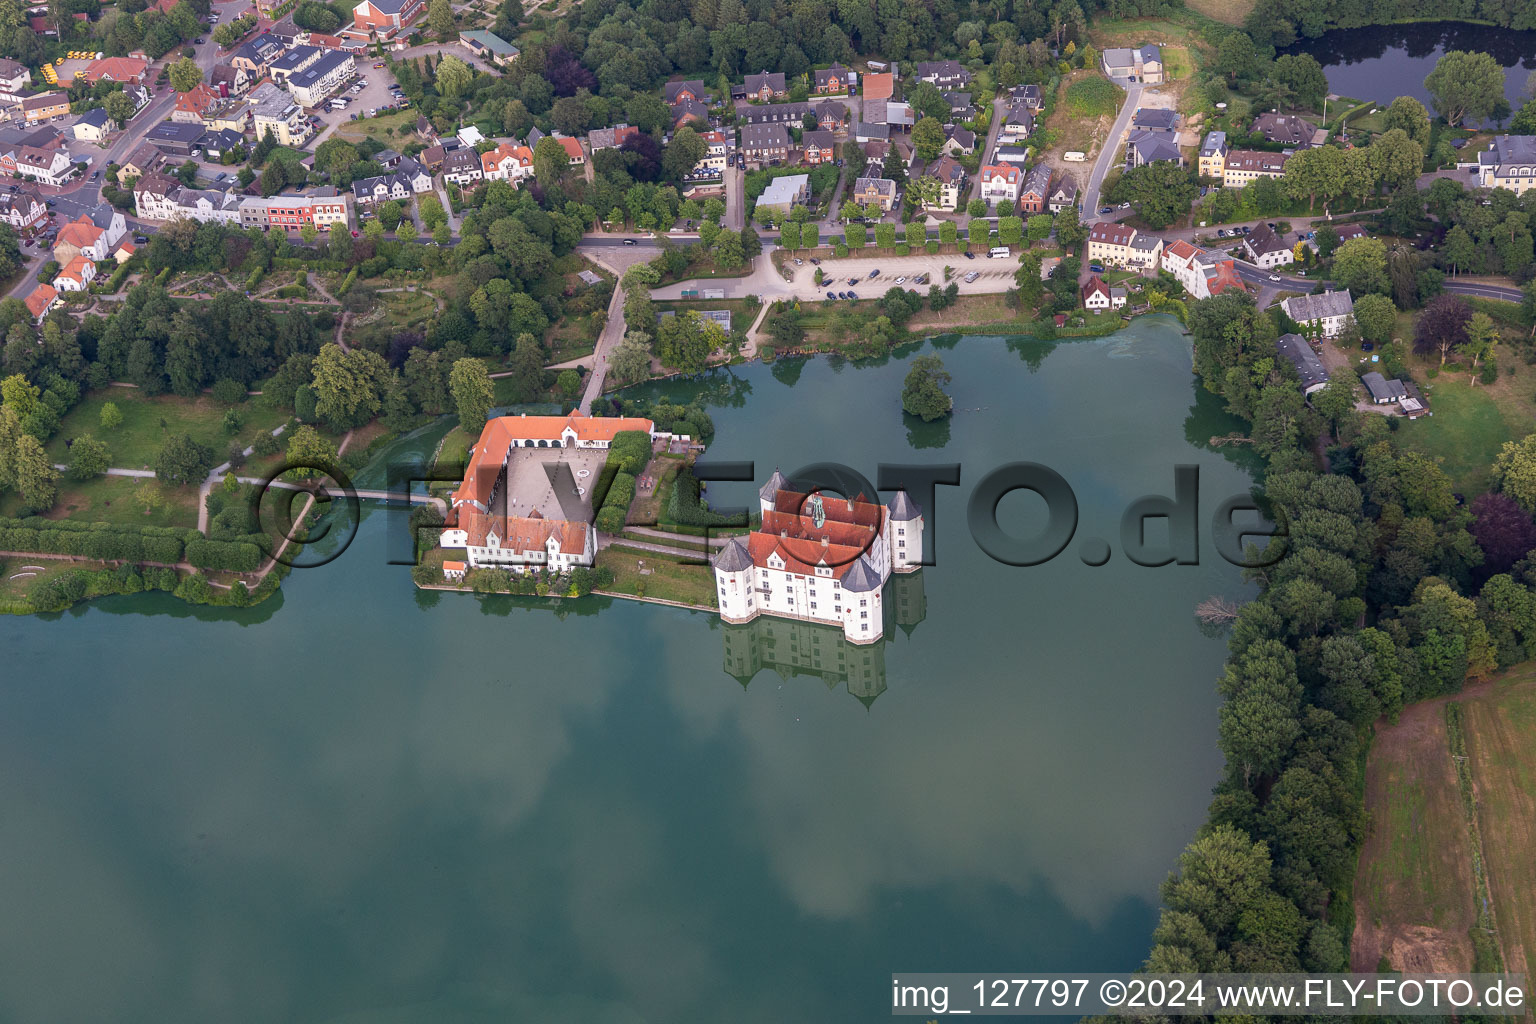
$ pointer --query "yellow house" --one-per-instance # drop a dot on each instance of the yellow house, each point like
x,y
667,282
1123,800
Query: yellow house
x,y
1245,165
1213,155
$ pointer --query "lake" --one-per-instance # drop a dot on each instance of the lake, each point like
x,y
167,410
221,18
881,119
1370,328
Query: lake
x,y
359,801
1382,62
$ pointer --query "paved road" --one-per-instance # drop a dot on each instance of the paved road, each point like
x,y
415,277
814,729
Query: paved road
x,y
735,197
1109,156
1484,290
989,149
613,333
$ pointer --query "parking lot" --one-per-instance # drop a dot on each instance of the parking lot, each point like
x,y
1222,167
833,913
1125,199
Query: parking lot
x,y
374,96
991,275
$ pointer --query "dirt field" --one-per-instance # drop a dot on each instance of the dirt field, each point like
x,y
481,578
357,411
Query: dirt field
x,y
1413,893
1501,742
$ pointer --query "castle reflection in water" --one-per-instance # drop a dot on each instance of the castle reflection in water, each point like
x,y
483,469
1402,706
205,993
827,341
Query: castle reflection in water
x,y
791,647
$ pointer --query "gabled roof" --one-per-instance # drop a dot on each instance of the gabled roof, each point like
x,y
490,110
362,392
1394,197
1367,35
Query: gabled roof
x,y
41,298
1095,286
1263,240
878,87
1304,308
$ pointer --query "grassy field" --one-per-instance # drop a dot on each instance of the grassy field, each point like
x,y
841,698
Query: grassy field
x,y
1072,131
1464,434
355,131
649,574
1231,12
1092,96
109,499
147,422
1501,745
1413,892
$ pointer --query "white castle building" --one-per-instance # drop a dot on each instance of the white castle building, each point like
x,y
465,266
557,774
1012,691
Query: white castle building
x,y
819,558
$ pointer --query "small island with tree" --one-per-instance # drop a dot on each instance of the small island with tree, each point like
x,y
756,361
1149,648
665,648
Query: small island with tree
x,y
923,394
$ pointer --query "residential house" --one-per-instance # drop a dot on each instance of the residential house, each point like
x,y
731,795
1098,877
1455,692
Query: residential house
x,y
1031,95
291,63
44,107
1011,155
713,162
1145,251
93,126
1109,244
194,103
384,18
606,138
1213,155
1064,195
127,70
228,115
154,197
832,116
776,113
951,178
784,192
490,46
1155,118
763,143
1095,294
684,111
1383,391
208,206
1349,232
575,156
507,163
1201,272
1267,249
1145,146
317,81
145,159
1035,192
320,209
959,141
81,237
273,110
43,298
1142,63
1286,130
1310,368
764,86
14,76
1000,182
49,166
946,74
1324,314
428,134
1509,162
229,81
959,104
215,144
256,56
819,147
78,273
462,166
879,192
1245,165
1018,122
432,157
23,208
834,80
692,89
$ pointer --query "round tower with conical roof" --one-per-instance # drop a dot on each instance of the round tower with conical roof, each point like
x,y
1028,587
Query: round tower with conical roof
x,y
733,581
906,533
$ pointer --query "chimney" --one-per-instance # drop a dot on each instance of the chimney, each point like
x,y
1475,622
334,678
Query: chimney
x,y
824,540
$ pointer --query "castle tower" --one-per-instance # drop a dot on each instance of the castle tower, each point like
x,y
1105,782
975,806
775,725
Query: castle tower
x,y
906,540
733,581
770,490
863,614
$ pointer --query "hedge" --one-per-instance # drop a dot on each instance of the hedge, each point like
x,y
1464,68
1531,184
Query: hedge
x,y
685,507
100,541
231,555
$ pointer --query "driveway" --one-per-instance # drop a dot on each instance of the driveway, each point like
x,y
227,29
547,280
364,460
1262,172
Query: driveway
x,y
1109,156
990,148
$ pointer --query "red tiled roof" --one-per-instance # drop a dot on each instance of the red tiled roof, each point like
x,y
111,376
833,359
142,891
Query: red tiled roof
x,y
490,451
1112,232
878,87
1181,250
520,533
572,147
41,298
81,233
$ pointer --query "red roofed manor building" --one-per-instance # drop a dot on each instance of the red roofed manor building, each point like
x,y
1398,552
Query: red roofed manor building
x,y
819,558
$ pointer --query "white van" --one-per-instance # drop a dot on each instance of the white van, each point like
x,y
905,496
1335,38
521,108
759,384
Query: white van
x,y
999,252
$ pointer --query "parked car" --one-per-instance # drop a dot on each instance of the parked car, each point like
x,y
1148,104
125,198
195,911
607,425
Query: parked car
x,y
972,276
1106,209
799,262
874,273
814,261
969,255
831,295
1096,268
853,280
199,42
901,280
140,239
379,64
853,295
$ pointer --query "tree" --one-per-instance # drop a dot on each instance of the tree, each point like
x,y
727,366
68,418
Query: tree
x,y
631,361
1161,192
1396,159
440,19
348,385
182,461
88,458
119,107
684,151
550,162
1514,470
1442,326
36,479
928,138
1314,172
1376,317
1482,336
473,393
1458,250
1303,76
111,416
453,76
185,75
1502,529
1465,85
685,341
1360,265
922,394
1336,402
147,495
309,454
1237,57
1409,114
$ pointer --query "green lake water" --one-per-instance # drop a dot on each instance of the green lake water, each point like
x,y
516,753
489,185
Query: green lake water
x,y
360,802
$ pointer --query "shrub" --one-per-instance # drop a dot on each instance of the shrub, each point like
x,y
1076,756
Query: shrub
x,y
229,392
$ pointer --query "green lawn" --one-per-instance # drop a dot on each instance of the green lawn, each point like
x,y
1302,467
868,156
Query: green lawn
x,y
109,499
649,574
1464,434
355,131
1092,97
147,422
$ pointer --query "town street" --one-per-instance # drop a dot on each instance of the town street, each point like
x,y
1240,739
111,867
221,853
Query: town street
x,y
1109,156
